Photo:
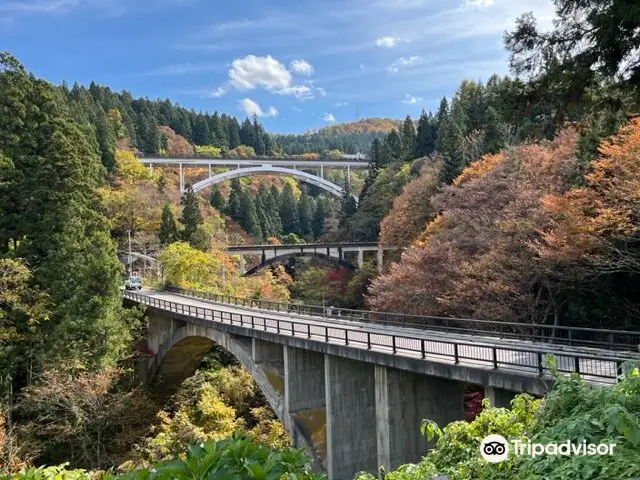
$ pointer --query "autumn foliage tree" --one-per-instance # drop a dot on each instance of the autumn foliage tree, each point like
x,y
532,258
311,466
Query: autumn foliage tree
x,y
482,255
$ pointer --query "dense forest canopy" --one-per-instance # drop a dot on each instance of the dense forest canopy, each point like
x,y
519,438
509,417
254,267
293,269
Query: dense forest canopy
x,y
516,199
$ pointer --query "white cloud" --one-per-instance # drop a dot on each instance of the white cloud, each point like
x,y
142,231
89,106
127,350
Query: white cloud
x,y
340,104
321,91
387,42
411,100
252,72
362,67
302,67
403,62
296,109
328,117
218,92
478,3
252,108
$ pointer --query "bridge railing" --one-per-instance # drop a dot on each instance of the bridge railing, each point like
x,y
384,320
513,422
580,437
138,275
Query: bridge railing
x,y
595,368
624,340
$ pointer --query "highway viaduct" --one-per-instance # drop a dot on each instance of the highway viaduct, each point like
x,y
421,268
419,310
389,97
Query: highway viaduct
x,y
354,388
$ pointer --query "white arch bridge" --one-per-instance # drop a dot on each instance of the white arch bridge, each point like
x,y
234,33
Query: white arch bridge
x,y
244,167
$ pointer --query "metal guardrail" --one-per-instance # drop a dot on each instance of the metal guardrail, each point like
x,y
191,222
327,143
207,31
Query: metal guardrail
x,y
533,361
615,340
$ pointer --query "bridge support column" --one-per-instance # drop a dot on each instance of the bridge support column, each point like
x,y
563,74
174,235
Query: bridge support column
x,y
380,260
360,257
499,397
403,399
242,269
181,180
266,353
351,425
304,387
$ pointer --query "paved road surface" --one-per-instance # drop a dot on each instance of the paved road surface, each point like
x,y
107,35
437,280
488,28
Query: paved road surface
x,y
596,365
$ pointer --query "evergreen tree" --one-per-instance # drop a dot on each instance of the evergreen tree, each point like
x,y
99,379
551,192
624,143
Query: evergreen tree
x,y
247,135
201,132
106,141
394,144
191,216
168,232
273,209
151,142
305,214
375,159
349,207
51,216
233,132
408,139
318,221
249,220
217,200
449,143
289,210
426,135
233,207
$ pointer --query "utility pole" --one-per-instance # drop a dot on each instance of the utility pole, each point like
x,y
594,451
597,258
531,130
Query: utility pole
x,y
130,263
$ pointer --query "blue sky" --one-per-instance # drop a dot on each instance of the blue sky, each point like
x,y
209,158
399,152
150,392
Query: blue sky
x,y
297,64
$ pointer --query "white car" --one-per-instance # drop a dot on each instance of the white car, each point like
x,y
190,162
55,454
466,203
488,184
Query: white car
x,y
133,283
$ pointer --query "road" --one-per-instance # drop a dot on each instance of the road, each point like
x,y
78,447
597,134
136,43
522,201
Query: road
x,y
254,162
595,365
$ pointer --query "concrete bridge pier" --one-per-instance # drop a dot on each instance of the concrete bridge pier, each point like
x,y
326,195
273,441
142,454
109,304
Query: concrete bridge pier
x,y
380,260
360,257
403,400
351,417
499,397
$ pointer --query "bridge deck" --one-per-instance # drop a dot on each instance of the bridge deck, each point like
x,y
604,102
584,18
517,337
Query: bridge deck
x,y
190,162
597,366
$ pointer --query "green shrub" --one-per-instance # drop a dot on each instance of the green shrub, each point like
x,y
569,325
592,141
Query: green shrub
x,y
236,458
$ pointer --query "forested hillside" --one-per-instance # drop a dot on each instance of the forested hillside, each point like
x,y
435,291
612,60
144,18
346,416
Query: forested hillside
x,y
516,200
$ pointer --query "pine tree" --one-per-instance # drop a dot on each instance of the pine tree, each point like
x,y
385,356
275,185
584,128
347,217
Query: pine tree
x,y
106,141
51,216
217,200
375,159
201,132
233,132
233,207
408,139
305,214
289,210
247,135
394,144
273,209
249,220
426,135
168,232
264,215
318,221
349,207
191,216
151,144
450,138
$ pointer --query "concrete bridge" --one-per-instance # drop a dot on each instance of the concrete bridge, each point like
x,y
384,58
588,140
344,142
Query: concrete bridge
x,y
355,392
242,167
337,253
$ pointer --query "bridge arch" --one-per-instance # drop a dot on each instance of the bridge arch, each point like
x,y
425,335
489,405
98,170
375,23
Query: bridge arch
x,y
280,258
271,170
184,346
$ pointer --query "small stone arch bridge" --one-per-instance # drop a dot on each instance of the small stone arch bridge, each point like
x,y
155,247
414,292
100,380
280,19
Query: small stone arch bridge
x,y
337,253
353,391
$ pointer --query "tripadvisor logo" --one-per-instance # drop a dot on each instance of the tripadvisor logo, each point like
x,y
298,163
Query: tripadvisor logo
x,y
495,448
